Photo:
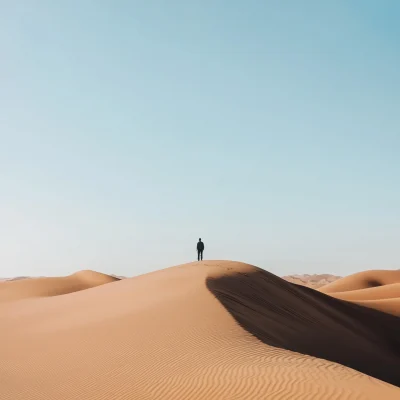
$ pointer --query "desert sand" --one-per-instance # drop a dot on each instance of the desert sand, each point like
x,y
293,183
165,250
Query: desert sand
x,y
208,330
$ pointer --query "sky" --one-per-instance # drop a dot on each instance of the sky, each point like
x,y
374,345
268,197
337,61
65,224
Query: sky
x,y
129,129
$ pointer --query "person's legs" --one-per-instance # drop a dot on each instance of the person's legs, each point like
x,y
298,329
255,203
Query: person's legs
x,y
202,255
198,255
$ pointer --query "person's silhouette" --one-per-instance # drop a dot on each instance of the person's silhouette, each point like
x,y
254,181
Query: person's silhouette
x,y
200,249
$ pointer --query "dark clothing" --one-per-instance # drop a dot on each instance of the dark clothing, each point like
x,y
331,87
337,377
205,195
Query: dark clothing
x,y
200,249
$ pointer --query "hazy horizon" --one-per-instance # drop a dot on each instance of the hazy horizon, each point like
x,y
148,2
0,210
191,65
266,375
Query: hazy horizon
x,y
130,129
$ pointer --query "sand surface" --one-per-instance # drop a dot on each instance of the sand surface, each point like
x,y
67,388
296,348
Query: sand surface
x,y
210,330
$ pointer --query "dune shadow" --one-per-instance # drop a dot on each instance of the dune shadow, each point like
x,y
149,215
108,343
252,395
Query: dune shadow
x,y
296,318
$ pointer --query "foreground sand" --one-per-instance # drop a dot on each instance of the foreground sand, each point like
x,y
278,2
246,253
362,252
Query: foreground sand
x,y
211,330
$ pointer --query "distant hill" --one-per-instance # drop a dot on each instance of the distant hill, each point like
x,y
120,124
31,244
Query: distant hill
x,y
314,281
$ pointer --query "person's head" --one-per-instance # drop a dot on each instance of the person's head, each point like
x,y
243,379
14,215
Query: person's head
x,y
199,239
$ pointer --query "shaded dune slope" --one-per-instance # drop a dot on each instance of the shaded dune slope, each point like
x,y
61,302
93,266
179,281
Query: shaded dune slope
x,y
48,287
300,319
174,334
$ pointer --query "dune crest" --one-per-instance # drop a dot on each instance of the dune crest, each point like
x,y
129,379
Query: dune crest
x,y
193,331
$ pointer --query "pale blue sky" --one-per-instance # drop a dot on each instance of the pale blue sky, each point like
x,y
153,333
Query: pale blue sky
x,y
128,129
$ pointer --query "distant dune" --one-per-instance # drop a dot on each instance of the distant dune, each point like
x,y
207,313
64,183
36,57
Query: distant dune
x,y
363,280
209,330
47,287
13,279
378,289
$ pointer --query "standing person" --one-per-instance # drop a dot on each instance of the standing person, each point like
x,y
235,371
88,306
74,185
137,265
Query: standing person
x,y
200,249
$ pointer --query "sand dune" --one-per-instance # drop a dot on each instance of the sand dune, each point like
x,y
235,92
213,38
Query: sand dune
x,y
363,280
47,287
16,278
373,293
374,289
211,330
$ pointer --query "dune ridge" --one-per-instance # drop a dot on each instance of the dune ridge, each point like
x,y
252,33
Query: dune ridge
x,y
187,332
